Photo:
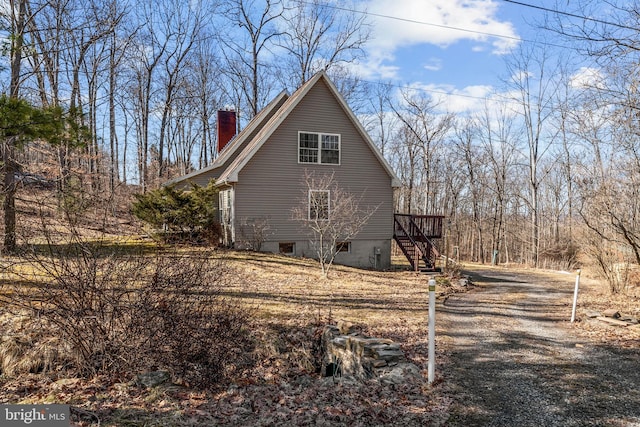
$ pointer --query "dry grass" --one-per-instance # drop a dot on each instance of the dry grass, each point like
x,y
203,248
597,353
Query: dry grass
x,y
291,301
27,346
285,287
291,296
594,295
598,297
289,290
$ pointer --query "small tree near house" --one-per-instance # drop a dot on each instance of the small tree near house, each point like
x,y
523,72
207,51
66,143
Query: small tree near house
x,y
254,232
330,214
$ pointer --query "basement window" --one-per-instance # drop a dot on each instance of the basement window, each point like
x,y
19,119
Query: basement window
x,y
343,247
287,248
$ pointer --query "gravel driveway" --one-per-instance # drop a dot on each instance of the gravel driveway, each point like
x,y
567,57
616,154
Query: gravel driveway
x,y
515,360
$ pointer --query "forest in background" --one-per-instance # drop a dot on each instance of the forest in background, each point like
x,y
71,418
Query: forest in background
x,y
545,175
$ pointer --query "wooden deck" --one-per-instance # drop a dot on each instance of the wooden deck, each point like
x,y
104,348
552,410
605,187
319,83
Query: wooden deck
x,y
414,235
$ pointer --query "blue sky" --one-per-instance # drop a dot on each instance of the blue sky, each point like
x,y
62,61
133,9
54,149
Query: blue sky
x,y
433,55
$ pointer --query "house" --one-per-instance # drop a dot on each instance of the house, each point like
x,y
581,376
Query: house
x,y
260,174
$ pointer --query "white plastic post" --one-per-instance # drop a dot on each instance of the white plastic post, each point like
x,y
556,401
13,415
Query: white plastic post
x,y
575,297
432,330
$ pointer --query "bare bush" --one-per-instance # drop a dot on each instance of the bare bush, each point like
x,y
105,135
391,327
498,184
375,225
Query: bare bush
x,y
121,313
563,255
610,237
254,232
202,336
608,257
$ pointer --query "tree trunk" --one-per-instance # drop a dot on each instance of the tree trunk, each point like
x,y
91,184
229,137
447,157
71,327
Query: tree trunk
x,y
113,137
9,204
8,152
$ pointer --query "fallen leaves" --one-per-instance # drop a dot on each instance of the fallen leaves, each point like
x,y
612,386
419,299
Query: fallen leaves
x,y
282,387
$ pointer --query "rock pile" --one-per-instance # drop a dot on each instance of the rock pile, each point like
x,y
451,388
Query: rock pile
x,y
349,353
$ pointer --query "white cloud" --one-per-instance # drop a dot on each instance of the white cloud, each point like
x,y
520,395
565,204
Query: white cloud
x,y
469,99
449,21
587,77
434,64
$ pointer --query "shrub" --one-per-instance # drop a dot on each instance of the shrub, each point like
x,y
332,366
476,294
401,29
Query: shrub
x,y
179,214
562,255
254,232
122,313
192,329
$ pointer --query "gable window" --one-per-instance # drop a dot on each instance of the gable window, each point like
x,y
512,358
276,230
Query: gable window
x,y
318,205
321,148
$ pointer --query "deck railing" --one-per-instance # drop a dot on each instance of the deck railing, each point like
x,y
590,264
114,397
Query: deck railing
x,y
429,225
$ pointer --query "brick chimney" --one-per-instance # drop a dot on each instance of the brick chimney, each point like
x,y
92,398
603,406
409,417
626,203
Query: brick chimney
x,y
226,127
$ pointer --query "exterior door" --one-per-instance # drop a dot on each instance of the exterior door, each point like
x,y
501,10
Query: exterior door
x,y
227,217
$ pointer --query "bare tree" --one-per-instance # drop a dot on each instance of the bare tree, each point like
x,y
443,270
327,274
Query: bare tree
x,y
146,56
532,80
245,53
182,27
17,25
467,147
418,113
406,155
117,45
382,123
330,214
204,69
66,56
499,146
604,118
319,37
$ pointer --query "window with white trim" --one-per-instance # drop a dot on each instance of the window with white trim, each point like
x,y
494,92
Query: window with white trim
x,y
320,148
318,205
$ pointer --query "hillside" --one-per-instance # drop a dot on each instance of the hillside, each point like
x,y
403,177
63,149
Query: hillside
x,y
274,380
287,302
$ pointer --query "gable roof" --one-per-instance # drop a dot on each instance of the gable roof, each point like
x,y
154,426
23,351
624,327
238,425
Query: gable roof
x,y
267,127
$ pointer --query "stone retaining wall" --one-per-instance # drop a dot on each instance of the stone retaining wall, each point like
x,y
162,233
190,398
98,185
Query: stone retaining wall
x,y
349,353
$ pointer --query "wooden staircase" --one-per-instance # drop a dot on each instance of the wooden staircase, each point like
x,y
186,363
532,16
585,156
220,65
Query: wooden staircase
x,y
414,234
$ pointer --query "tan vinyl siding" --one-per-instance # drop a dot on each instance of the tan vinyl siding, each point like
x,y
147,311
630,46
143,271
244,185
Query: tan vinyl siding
x,y
271,182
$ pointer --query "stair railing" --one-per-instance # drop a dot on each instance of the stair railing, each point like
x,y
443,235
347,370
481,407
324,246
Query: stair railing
x,y
423,247
401,234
